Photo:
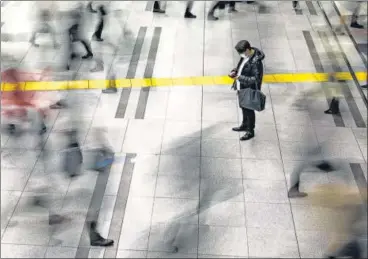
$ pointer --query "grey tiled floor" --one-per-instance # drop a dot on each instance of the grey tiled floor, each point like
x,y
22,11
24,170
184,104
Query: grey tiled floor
x,y
227,198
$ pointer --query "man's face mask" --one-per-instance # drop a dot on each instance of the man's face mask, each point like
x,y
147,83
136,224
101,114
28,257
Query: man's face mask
x,y
243,55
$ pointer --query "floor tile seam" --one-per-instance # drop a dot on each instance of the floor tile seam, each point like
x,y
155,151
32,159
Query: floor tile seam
x,y
156,182
361,150
201,122
217,201
285,181
290,48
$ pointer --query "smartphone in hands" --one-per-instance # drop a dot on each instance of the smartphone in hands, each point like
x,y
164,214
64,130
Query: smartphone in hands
x,y
233,74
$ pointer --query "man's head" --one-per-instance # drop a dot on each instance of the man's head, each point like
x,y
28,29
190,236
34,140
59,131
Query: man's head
x,y
243,48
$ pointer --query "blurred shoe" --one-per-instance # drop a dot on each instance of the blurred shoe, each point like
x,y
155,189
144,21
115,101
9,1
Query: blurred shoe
x,y
175,249
232,10
88,56
58,105
100,241
189,15
56,219
96,239
356,25
334,107
325,166
40,202
158,11
43,129
295,193
109,90
73,56
94,37
364,86
212,17
11,129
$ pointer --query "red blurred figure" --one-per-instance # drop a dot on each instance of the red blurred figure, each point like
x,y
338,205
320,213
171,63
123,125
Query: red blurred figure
x,y
17,101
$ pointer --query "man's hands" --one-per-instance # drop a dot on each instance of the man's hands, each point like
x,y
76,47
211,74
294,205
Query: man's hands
x,y
233,74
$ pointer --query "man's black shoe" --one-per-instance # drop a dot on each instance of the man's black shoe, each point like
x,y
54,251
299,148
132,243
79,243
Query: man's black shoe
x,y
240,128
356,25
248,135
364,86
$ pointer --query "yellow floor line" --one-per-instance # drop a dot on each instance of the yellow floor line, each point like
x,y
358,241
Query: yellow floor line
x,y
180,81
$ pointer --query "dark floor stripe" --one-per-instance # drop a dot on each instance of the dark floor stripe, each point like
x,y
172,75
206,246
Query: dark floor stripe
x,y
93,212
123,103
339,122
149,6
351,70
359,178
143,96
120,205
353,107
311,8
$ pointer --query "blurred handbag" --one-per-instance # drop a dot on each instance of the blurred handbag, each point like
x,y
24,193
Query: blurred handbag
x,y
102,158
73,160
252,99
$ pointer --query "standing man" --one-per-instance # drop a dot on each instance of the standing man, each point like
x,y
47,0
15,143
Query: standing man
x,y
248,74
188,10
